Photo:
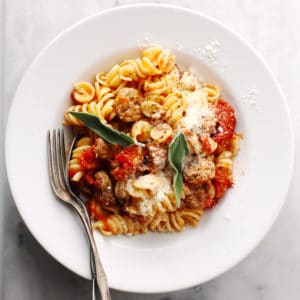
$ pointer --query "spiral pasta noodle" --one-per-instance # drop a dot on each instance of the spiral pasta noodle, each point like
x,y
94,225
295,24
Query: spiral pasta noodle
x,y
162,222
162,58
213,92
134,69
175,107
154,61
140,131
157,89
106,99
117,224
94,108
75,167
131,70
235,144
83,92
224,160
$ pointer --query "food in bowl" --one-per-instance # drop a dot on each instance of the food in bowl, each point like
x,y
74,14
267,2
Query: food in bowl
x,y
156,148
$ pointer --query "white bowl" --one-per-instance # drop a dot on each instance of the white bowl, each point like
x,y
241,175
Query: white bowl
x,y
226,234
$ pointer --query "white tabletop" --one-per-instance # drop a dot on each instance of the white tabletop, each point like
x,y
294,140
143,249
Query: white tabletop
x,y
272,271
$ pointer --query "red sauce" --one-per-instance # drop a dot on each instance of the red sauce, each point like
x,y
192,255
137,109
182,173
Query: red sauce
x,y
88,160
95,213
226,123
209,202
127,161
222,182
105,224
206,145
93,210
89,177
72,173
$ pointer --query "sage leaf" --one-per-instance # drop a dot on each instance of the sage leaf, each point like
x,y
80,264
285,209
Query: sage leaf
x,y
109,134
178,148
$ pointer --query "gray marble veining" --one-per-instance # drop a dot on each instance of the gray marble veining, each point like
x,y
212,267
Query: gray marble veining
x,y
272,271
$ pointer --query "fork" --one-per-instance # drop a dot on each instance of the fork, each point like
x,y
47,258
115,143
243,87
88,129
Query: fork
x,y
81,202
56,166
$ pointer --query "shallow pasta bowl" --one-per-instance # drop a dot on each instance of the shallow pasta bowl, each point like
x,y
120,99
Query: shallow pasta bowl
x,y
226,234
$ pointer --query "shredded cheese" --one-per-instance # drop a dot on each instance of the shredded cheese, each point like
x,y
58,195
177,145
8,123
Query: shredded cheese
x,y
199,117
153,190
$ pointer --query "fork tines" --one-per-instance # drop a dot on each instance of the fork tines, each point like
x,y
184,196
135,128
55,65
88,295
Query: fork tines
x,y
57,159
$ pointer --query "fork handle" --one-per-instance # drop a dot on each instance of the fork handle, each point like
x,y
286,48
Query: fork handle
x,y
100,274
92,263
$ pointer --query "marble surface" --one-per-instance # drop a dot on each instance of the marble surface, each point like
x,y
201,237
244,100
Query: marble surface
x,y
272,271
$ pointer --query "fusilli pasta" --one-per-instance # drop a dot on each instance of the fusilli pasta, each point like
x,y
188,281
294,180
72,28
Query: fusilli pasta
x,y
76,171
94,108
161,222
83,92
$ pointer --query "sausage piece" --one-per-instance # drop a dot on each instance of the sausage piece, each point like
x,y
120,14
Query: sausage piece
x,y
103,190
198,170
198,197
128,104
104,150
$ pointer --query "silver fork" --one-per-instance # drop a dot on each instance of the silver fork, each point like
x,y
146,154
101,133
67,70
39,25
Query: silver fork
x,y
56,166
80,202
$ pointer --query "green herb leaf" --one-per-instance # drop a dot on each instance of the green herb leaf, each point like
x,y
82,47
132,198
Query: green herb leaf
x,y
109,134
177,149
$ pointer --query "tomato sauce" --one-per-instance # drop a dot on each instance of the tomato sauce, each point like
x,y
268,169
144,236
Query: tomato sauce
x,y
206,147
226,121
209,203
72,173
89,177
127,161
222,182
95,213
88,160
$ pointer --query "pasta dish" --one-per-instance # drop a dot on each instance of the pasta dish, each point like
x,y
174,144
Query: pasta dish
x,y
156,145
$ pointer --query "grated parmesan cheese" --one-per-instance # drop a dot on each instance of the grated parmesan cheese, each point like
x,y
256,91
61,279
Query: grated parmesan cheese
x,y
145,208
147,40
209,53
251,98
199,116
153,189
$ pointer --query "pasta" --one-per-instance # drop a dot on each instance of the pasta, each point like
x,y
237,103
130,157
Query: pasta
x,y
175,107
152,109
158,88
161,132
161,58
94,108
224,160
213,92
106,99
161,222
132,189
141,130
84,92
76,170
